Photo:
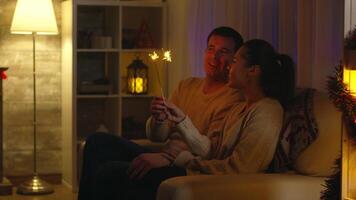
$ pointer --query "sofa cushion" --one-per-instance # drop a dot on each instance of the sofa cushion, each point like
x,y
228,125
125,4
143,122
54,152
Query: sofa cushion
x,y
319,158
242,186
311,136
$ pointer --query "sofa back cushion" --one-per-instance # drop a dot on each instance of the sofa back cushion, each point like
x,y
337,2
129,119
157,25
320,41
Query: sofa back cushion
x,y
299,130
310,137
319,158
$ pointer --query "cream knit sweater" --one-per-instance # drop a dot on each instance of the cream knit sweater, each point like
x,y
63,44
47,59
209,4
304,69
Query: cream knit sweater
x,y
245,144
206,112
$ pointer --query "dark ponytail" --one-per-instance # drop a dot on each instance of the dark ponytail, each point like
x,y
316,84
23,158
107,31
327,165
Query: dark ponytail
x,y
287,78
277,77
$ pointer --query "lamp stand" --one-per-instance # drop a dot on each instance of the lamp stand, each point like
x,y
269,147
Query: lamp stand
x,y
35,185
5,187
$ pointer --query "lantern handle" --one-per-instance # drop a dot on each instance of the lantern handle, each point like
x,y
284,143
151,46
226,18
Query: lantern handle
x,y
137,55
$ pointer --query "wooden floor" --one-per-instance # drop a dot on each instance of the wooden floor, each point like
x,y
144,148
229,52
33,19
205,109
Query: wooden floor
x,y
60,193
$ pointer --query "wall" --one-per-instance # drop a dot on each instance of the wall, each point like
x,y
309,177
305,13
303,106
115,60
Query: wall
x,y
309,31
16,53
177,27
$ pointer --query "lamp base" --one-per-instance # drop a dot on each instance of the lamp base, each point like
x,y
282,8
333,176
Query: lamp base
x,y
5,187
35,186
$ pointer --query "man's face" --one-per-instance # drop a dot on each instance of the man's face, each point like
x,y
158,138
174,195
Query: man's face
x,y
218,55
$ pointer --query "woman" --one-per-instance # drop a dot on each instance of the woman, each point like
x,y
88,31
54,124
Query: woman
x,y
248,139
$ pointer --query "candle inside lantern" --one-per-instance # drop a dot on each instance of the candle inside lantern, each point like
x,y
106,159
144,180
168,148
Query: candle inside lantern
x,y
138,85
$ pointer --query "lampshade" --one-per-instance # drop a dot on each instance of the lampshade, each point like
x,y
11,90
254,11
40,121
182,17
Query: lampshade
x,y
34,16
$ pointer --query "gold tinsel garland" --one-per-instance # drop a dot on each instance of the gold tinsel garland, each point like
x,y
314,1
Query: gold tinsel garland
x,y
342,99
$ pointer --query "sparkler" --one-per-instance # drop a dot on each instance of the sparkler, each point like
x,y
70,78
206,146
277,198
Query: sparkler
x,y
166,57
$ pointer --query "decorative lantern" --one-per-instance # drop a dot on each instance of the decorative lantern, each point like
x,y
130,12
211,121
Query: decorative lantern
x,y
349,72
137,77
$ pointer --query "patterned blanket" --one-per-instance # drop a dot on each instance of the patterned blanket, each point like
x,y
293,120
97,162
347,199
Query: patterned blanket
x,y
299,130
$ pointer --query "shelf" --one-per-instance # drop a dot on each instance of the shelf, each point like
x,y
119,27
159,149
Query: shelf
x,y
97,27
136,96
139,50
97,50
93,113
121,2
93,67
135,112
104,37
118,50
97,3
103,96
96,96
147,3
141,27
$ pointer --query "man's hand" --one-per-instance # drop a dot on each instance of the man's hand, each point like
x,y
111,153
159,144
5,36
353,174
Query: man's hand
x,y
158,109
174,114
144,163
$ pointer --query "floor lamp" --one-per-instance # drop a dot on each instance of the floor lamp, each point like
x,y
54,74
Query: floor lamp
x,y
34,17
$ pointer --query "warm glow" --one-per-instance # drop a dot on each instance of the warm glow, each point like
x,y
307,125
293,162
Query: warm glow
x,y
350,80
137,85
34,16
154,55
167,56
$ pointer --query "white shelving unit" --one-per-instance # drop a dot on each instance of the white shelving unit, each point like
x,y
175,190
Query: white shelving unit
x,y
98,50
98,43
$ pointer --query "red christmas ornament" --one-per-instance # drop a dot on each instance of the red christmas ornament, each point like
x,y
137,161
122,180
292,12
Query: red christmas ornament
x,y
3,75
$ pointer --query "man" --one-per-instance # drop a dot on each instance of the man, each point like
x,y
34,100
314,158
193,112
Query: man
x,y
204,100
138,170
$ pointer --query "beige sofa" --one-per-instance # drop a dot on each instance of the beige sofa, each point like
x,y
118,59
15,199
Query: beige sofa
x,y
303,183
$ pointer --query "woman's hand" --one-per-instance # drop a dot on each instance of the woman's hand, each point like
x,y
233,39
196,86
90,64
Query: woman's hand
x,y
173,113
143,163
158,109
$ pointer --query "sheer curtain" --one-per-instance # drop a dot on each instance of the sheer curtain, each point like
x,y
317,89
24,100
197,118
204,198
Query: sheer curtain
x,y
309,31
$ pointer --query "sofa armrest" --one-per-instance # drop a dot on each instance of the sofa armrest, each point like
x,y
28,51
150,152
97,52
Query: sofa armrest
x,y
242,186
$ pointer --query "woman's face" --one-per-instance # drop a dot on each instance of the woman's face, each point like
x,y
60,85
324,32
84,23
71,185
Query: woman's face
x,y
238,71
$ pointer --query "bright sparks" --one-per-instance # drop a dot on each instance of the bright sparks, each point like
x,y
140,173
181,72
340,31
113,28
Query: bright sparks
x,y
167,56
154,55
